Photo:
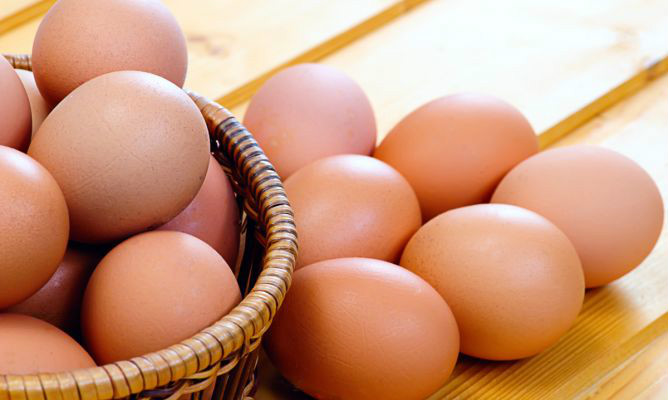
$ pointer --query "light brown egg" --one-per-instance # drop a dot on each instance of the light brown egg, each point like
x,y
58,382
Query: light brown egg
x,y
358,328
607,205
308,112
130,151
14,109
31,346
213,215
58,302
38,106
152,291
80,39
351,206
512,279
454,150
34,221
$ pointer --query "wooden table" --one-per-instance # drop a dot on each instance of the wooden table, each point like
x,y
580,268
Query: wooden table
x,y
582,72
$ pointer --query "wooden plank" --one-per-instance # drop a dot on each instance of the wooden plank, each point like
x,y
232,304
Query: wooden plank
x,y
235,45
613,346
15,12
548,58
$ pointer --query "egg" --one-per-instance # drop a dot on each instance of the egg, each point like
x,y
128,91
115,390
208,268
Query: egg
x,y
213,215
307,112
152,291
607,205
357,328
31,346
58,302
39,108
78,40
35,227
130,151
15,119
351,206
454,150
512,279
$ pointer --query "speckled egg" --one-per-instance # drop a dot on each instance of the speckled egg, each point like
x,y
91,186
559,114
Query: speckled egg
x,y
58,302
152,291
130,151
512,279
15,119
351,206
31,346
38,106
360,329
213,215
35,226
308,112
454,150
607,205
78,40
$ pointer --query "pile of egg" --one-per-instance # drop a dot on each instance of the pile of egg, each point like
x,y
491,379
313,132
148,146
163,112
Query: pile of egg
x,y
453,235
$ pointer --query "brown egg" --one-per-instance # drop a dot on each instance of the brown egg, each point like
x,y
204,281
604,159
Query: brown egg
x,y
80,39
607,205
351,206
31,346
14,109
512,279
308,112
35,227
130,151
58,302
38,106
213,215
357,328
454,150
152,291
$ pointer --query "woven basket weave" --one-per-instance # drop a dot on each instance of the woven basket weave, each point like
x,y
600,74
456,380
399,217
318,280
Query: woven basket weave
x,y
220,361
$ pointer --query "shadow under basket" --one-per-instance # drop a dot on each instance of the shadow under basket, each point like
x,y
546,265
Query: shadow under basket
x,y
219,362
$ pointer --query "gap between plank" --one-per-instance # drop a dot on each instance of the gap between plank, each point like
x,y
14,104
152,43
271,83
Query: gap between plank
x,y
624,90
34,10
245,92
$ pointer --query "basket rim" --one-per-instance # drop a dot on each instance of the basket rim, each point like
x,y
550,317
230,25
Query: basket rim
x,y
229,339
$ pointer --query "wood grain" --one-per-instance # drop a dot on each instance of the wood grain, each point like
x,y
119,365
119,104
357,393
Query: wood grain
x,y
16,12
549,59
235,45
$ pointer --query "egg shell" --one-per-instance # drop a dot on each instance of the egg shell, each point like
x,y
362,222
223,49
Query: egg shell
x,y
512,279
15,119
31,346
35,226
607,205
454,150
361,329
213,215
39,108
351,206
78,40
130,151
307,112
58,302
152,291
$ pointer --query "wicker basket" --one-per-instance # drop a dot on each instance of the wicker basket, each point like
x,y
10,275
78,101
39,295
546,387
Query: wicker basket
x,y
220,361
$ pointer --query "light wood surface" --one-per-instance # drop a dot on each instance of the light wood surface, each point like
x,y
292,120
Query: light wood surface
x,y
553,60
233,46
13,13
